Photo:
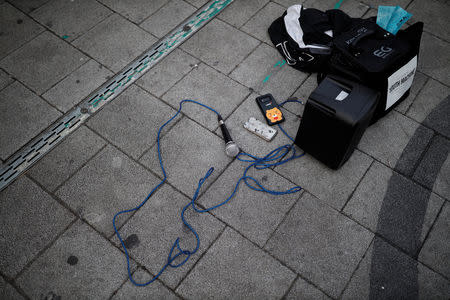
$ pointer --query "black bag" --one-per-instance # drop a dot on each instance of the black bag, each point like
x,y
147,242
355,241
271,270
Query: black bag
x,y
369,54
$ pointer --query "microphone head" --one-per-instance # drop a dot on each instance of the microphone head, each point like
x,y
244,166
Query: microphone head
x,y
231,149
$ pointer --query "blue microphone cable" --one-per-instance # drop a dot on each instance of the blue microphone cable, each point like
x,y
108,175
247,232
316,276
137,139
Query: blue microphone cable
x,y
276,157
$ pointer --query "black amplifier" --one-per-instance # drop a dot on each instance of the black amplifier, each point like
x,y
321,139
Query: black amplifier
x,y
335,117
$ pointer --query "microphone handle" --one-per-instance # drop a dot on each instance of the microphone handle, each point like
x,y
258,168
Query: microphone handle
x,y
225,133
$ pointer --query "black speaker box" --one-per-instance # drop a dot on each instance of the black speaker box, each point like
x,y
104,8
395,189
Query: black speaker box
x,y
335,117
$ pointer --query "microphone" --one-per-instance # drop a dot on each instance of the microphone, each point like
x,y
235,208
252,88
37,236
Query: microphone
x,y
231,149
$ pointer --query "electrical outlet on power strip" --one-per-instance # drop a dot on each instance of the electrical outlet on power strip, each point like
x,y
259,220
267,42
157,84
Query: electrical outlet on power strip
x,y
260,129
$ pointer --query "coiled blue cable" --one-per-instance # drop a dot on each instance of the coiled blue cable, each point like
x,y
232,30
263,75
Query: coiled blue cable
x,y
276,157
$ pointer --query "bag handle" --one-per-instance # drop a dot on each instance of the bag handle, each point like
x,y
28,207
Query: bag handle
x,y
353,45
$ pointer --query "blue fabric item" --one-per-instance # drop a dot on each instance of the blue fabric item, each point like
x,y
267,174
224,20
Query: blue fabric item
x,y
392,18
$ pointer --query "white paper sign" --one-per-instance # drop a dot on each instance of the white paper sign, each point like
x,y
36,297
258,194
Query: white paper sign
x,y
400,82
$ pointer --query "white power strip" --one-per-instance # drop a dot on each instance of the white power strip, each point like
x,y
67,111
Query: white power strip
x,y
260,129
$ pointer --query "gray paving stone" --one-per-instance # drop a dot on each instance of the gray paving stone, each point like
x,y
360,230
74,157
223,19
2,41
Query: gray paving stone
x,y
303,93
436,250
240,11
78,85
257,26
135,10
412,154
157,226
155,290
394,207
132,120
70,19
254,214
376,3
197,3
287,3
435,58
248,141
432,94
434,169
115,42
160,78
387,139
58,165
168,17
43,62
234,266
208,86
23,116
28,5
253,71
5,79
419,81
81,264
188,151
7,291
438,118
109,183
320,244
353,8
220,45
331,186
386,273
432,13
29,220
16,29
304,290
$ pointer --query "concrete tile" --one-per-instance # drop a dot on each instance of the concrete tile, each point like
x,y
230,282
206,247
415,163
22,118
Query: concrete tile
x,y
436,250
157,225
304,290
257,26
303,93
254,214
70,19
412,153
234,266
29,220
220,45
320,244
43,62
438,118
353,8
376,3
188,146
80,264
28,5
434,169
78,85
437,65
251,143
160,78
135,10
387,139
419,81
287,3
432,13
255,69
58,165
394,207
5,79
168,17
23,116
197,3
386,273
110,182
240,11
155,290
211,88
132,120
432,94
115,42
331,186
16,29
7,291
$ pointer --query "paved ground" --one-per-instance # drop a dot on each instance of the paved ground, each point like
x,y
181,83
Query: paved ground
x,y
377,228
